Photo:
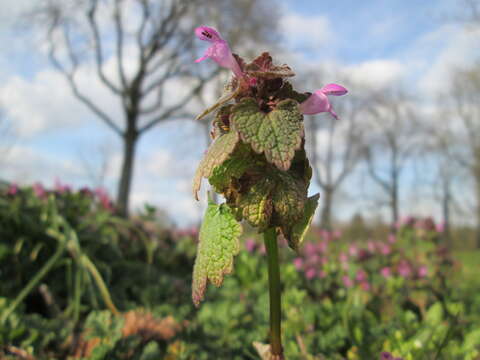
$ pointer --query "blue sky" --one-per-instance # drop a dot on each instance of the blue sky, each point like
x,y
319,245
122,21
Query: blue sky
x,y
414,43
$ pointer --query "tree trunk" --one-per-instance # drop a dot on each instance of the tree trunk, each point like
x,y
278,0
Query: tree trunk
x,y
129,144
394,203
446,213
477,235
326,214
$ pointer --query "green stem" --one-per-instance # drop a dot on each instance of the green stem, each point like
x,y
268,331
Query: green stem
x,y
270,238
100,284
34,281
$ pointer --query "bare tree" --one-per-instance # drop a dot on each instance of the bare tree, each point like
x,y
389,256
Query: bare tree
x,y
335,149
156,37
391,141
464,94
154,34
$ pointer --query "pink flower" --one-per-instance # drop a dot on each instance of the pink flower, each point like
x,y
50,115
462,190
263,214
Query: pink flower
x,y
61,188
422,271
310,273
318,102
322,274
347,282
219,51
353,250
361,275
104,198
404,269
12,189
38,190
337,234
371,246
262,250
343,257
250,245
392,238
365,286
322,247
385,249
298,262
386,272
309,248
440,227
388,356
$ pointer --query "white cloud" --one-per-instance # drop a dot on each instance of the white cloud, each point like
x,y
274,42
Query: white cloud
x,y
26,164
305,32
377,73
460,48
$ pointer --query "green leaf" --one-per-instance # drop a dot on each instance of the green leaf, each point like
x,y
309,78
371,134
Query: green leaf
x,y
297,234
218,243
289,199
277,133
232,168
217,153
434,314
256,205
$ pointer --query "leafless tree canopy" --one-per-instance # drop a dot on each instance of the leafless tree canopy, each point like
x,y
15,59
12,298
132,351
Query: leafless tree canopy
x,y
391,141
142,52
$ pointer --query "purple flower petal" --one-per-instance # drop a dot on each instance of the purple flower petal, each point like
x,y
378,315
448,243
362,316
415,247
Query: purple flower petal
x,y
334,89
318,102
207,33
219,51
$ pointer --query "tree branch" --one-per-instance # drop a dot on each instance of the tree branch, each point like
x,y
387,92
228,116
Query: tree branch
x,y
97,44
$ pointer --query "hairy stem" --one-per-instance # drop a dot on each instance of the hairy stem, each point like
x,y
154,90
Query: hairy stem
x,y
270,238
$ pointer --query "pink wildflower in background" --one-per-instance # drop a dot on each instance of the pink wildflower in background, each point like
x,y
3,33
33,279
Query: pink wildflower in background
x,y
386,272
388,356
39,190
440,227
219,51
365,286
353,250
385,249
298,263
318,102
347,282
392,239
422,271
250,245
404,269
12,189
361,275
104,198
61,188
310,273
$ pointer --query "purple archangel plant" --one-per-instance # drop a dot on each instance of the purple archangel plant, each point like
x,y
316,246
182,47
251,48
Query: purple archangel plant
x,y
257,161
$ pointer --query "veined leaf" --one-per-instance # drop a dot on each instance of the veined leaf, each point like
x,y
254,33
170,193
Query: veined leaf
x,y
218,243
216,154
289,198
297,234
277,133
256,205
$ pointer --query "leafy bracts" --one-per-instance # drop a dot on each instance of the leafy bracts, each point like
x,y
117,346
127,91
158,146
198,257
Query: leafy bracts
x,y
258,163
217,153
218,244
277,133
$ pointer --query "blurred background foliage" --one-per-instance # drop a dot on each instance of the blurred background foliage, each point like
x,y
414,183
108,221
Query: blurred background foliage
x,y
77,281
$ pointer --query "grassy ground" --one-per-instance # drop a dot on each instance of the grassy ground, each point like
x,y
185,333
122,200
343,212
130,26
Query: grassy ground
x,y
470,266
